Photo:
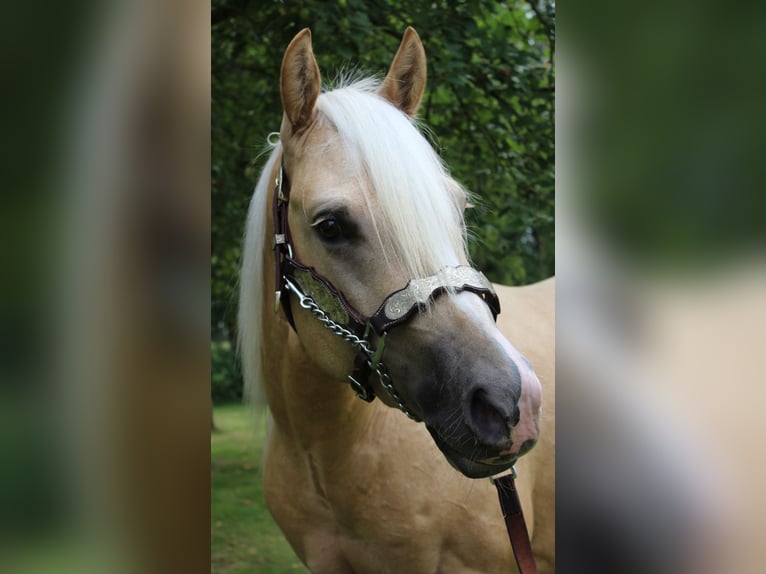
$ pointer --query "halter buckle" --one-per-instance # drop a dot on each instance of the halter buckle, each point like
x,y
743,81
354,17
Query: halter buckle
x,y
364,393
278,185
510,472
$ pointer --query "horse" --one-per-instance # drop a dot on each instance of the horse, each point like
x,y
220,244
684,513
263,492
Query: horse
x,y
355,260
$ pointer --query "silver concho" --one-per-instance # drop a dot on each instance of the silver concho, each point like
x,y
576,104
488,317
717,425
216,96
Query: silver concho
x,y
324,298
419,291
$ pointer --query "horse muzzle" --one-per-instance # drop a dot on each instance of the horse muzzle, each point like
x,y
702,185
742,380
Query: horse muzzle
x,y
478,453
482,407
478,461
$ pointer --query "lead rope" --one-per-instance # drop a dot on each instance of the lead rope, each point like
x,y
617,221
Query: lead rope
x,y
514,522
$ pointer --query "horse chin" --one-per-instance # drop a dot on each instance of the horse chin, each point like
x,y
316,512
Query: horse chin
x,y
472,467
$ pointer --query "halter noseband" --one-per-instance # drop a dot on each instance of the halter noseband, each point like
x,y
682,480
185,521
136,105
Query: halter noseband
x,y
318,295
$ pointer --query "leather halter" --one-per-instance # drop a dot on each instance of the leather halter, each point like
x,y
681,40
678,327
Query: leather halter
x,y
330,306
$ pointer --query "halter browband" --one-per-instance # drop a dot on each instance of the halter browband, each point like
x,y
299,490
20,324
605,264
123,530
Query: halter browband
x,y
332,309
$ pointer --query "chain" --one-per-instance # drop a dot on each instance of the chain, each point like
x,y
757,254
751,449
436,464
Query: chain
x,y
385,381
378,367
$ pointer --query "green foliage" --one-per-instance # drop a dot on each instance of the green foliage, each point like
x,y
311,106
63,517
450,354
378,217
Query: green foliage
x,y
243,536
225,376
489,106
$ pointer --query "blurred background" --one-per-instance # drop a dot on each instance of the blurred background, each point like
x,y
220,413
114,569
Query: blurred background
x,y
660,265
105,395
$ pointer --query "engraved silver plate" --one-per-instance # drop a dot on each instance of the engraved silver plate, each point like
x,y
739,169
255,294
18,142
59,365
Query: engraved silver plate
x,y
319,292
419,291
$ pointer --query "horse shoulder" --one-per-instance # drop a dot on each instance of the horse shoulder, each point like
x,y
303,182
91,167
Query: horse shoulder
x,y
303,516
527,319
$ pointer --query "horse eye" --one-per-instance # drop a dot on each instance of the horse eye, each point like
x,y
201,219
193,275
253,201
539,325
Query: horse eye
x,y
329,229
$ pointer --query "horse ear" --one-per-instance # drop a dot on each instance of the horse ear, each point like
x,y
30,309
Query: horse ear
x,y
299,82
406,79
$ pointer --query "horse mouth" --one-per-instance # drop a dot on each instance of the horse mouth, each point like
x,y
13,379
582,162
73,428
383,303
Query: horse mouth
x,y
480,464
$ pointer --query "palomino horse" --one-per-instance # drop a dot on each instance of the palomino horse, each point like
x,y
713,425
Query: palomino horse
x,y
354,205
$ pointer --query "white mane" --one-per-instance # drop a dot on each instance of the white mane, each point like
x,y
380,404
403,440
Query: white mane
x,y
418,201
251,281
404,172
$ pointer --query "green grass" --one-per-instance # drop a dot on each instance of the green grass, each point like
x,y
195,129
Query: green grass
x,y
244,537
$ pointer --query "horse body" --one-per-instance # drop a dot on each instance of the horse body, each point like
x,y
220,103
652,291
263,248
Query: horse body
x,y
356,486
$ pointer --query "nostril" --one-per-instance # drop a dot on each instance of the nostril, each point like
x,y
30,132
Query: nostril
x,y
490,425
516,416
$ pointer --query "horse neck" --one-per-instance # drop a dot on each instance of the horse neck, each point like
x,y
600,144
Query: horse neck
x,y
310,408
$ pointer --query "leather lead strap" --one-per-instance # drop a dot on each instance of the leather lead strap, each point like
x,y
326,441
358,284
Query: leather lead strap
x,y
514,523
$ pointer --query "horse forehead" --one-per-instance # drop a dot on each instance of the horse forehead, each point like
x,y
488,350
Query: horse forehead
x,y
328,172
330,185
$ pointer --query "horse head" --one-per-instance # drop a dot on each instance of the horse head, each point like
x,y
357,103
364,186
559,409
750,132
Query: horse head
x,y
371,212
